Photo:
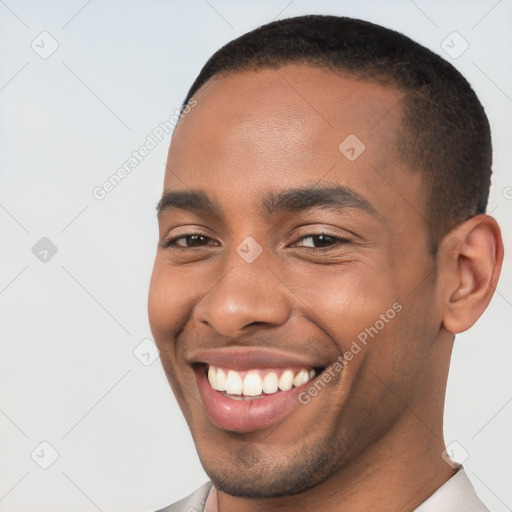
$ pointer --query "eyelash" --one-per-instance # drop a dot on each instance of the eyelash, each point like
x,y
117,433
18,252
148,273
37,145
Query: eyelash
x,y
171,243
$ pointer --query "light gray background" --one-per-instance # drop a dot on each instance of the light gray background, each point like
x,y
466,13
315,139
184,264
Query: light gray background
x,y
68,328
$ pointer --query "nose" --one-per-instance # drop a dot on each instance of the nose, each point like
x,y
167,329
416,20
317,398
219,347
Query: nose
x,y
247,295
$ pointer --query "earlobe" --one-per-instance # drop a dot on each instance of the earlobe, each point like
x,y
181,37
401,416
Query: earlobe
x,y
473,255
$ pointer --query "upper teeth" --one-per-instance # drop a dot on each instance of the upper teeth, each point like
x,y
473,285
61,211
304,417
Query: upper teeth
x,y
256,382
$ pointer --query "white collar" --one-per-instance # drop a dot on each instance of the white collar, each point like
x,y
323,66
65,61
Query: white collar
x,y
455,495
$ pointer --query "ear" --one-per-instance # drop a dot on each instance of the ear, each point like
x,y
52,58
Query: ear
x,y
470,264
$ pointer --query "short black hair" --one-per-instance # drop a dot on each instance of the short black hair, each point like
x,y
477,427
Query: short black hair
x,y
445,133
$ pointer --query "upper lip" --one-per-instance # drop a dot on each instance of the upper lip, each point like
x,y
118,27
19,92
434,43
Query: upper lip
x,y
247,358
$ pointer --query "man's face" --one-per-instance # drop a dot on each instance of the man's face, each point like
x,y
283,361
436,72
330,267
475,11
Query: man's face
x,y
341,271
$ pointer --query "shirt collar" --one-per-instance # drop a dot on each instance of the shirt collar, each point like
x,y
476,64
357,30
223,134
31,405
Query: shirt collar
x,y
455,495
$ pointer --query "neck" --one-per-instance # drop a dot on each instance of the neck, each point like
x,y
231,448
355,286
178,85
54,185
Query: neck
x,y
398,472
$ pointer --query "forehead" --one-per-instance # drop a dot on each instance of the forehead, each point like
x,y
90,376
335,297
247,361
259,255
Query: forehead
x,y
285,127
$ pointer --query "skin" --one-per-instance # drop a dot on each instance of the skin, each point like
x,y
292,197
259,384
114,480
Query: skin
x,y
372,439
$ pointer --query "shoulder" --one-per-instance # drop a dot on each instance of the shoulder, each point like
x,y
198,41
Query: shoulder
x,y
193,503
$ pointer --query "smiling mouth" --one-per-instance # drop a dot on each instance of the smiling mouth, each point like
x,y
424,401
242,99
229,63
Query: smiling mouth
x,y
246,389
257,383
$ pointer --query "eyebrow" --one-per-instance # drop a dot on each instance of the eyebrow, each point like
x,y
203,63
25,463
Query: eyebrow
x,y
335,197
190,200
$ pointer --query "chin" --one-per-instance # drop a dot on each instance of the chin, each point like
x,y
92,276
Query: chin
x,y
249,473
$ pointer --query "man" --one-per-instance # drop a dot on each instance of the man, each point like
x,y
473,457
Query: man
x,y
322,240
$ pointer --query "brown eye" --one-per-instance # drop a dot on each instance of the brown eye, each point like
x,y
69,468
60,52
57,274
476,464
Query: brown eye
x,y
188,241
321,241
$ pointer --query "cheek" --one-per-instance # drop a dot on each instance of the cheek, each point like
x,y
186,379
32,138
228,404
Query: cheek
x,y
166,318
165,304
169,292
398,357
352,302
158,301
173,293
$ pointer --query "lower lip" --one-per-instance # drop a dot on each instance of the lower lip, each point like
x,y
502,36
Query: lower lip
x,y
246,415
